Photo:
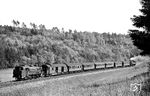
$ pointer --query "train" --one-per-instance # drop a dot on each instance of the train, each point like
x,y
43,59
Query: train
x,y
45,70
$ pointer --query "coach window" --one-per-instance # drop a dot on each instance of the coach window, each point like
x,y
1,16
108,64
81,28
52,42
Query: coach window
x,y
73,67
56,69
62,69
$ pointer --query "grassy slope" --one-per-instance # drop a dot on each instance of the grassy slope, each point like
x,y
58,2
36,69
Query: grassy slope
x,y
110,83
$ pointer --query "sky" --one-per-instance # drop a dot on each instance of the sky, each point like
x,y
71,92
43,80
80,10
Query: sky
x,y
83,15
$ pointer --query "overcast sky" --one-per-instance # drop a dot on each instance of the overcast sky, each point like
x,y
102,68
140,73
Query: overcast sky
x,y
82,15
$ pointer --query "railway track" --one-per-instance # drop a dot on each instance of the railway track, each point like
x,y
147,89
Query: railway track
x,y
13,83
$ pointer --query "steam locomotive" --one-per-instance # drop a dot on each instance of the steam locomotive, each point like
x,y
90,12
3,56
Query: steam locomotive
x,y
29,72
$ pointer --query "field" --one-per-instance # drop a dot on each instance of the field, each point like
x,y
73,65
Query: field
x,y
6,75
107,83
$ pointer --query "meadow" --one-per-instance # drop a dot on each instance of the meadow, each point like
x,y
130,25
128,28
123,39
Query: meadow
x,y
6,75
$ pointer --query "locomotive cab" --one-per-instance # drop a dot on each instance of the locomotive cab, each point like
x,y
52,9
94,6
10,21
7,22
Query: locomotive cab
x,y
17,72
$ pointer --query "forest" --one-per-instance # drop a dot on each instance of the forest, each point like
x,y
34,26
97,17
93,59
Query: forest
x,y
21,45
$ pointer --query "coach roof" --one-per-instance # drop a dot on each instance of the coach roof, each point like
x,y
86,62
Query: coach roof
x,y
89,63
99,63
73,64
58,65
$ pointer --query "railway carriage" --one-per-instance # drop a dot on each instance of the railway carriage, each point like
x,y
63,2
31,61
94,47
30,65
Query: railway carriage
x,y
99,65
52,69
88,66
118,64
109,64
46,69
73,67
58,69
126,63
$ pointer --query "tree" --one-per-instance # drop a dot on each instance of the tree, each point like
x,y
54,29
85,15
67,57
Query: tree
x,y
56,30
15,23
33,25
141,38
34,29
24,25
42,27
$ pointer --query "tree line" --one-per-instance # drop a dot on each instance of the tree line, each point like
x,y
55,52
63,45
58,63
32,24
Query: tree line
x,y
141,37
38,45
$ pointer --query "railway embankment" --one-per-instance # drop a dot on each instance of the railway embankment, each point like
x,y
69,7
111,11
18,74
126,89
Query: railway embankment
x,y
101,83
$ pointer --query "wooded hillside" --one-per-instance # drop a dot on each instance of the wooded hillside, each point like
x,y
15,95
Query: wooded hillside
x,y
38,45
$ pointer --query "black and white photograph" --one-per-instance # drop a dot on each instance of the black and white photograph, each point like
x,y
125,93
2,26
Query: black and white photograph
x,y
75,48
